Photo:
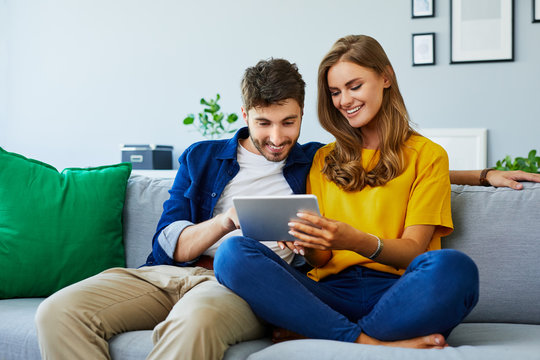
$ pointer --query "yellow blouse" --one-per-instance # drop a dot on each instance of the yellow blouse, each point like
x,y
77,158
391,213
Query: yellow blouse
x,y
419,196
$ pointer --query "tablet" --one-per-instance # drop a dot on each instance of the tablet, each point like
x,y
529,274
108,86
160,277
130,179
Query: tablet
x,y
265,218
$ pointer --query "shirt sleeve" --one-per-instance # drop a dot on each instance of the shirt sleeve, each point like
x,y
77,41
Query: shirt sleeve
x,y
429,202
168,237
175,209
315,179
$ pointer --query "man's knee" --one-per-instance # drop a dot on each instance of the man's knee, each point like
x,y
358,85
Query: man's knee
x,y
218,314
53,311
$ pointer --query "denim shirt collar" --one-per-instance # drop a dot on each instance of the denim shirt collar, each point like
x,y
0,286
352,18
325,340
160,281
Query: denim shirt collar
x,y
229,150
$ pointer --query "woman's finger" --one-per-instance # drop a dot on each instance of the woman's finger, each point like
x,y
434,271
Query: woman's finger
x,y
291,245
304,228
313,218
306,238
311,245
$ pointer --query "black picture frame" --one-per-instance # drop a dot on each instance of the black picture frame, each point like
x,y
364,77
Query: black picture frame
x,y
535,11
423,49
477,42
422,8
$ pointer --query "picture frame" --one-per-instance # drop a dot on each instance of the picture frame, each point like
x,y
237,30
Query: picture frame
x,y
423,49
422,8
466,147
535,11
481,31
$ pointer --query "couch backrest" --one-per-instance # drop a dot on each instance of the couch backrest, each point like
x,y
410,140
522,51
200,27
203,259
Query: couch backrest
x,y
499,229
142,210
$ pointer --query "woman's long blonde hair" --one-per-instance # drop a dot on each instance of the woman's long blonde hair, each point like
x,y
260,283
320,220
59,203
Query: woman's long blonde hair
x,y
343,165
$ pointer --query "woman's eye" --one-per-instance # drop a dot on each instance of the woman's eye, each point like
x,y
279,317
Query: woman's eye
x,y
356,87
334,93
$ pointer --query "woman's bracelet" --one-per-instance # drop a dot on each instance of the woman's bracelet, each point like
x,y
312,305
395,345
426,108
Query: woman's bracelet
x,y
380,245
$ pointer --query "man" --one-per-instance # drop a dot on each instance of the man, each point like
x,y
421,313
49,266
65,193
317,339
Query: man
x,y
191,314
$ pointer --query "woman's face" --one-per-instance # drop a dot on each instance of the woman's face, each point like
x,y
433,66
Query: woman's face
x,y
356,91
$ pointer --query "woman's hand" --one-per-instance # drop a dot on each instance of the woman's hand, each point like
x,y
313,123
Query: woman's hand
x,y
320,233
316,234
291,246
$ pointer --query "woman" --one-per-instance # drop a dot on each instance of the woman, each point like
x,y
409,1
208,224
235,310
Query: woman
x,y
384,196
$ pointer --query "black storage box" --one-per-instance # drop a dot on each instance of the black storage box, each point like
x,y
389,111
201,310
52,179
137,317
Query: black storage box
x,y
148,157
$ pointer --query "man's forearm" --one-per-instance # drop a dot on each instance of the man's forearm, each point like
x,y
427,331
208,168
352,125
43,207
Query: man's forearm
x,y
196,239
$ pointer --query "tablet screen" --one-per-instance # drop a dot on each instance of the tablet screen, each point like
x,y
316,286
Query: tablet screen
x,y
265,218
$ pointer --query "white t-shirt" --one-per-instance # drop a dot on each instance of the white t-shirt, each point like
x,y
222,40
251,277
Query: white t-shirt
x,y
257,176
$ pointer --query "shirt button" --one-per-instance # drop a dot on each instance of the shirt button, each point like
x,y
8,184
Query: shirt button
x,y
229,172
214,194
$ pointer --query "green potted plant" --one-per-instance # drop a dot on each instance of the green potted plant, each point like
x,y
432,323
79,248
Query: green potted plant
x,y
211,122
529,164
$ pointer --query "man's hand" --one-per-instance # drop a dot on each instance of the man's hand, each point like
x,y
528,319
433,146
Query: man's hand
x,y
510,179
229,220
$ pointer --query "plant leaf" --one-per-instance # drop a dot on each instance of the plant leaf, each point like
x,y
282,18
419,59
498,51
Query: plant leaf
x,y
218,117
532,156
189,119
232,118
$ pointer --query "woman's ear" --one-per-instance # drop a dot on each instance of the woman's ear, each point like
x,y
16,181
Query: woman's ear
x,y
387,81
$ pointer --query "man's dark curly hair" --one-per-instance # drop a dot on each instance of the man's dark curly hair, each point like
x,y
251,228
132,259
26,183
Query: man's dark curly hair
x,y
272,82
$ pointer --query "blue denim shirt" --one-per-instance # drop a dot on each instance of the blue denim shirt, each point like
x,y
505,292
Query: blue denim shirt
x,y
205,169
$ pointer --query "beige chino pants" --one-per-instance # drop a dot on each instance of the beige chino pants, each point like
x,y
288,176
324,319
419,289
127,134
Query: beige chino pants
x,y
191,314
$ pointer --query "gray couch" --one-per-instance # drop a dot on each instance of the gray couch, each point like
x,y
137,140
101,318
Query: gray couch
x,y
498,228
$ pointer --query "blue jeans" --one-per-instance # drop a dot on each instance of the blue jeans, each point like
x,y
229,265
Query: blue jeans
x,y
438,289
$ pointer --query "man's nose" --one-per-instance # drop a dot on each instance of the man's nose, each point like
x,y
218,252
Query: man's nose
x,y
276,135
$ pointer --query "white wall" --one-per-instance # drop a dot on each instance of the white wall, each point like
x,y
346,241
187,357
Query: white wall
x,y
3,70
84,76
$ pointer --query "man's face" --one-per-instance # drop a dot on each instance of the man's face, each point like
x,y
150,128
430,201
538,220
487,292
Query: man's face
x,y
273,130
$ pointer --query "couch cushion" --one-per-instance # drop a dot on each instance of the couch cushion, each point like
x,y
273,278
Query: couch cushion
x,y
18,337
136,345
143,207
499,229
57,228
468,342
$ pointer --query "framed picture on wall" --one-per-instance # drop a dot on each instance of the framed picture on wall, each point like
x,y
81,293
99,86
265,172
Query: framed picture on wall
x,y
536,10
423,8
481,31
423,49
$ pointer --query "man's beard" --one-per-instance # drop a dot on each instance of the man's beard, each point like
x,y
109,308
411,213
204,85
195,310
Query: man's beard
x,y
270,157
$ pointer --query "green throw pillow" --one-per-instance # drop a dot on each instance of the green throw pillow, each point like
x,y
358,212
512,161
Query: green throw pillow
x,y
57,228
